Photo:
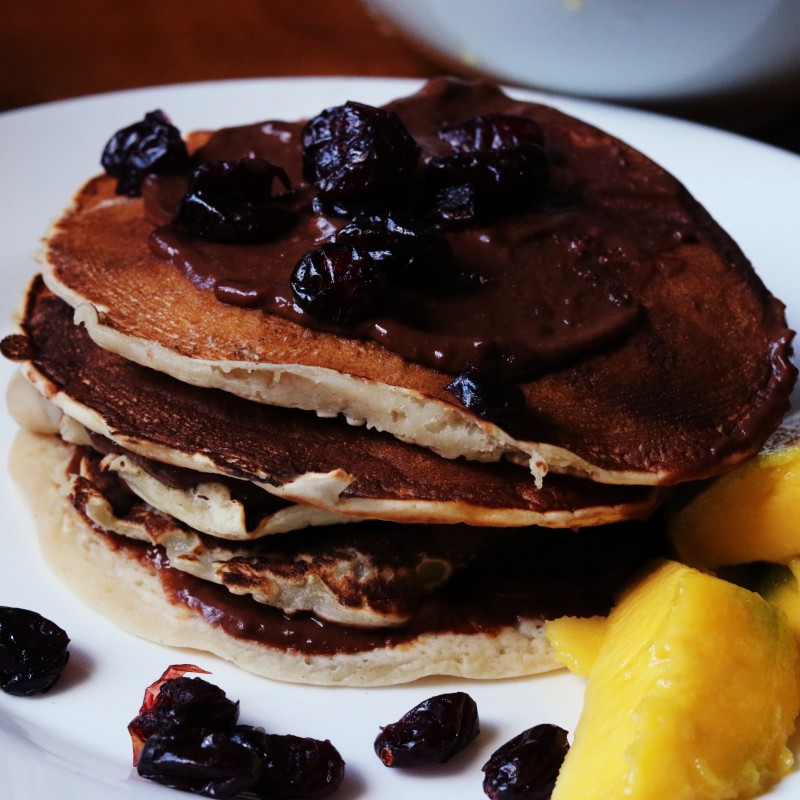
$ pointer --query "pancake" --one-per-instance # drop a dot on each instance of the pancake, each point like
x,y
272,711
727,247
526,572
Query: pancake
x,y
694,379
370,575
292,454
208,506
491,628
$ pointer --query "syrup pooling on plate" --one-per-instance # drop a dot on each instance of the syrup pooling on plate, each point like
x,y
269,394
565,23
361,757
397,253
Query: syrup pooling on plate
x,y
542,268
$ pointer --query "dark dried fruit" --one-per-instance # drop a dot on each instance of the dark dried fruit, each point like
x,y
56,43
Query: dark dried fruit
x,y
357,151
488,396
153,145
293,766
200,761
526,767
409,252
33,651
493,132
152,691
498,165
185,702
338,283
232,202
186,737
429,733
472,185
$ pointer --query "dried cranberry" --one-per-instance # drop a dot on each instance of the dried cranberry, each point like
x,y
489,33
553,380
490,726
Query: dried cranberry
x,y
430,733
200,761
33,651
356,151
526,767
493,132
498,164
411,253
185,702
232,202
472,185
488,396
153,145
338,283
293,766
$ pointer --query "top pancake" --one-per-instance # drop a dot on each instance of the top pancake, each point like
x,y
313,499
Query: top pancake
x,y
696,386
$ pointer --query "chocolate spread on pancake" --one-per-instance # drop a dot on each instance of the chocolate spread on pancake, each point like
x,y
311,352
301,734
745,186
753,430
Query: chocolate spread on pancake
x,y
532,577
557,280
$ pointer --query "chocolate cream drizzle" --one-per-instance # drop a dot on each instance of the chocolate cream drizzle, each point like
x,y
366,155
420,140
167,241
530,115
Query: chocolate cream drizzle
x,y
528,576
557,279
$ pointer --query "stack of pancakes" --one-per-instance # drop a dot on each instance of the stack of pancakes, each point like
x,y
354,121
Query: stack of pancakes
x,y
318,507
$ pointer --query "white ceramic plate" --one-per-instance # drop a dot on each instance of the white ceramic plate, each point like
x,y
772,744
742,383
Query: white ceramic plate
x,y
72,742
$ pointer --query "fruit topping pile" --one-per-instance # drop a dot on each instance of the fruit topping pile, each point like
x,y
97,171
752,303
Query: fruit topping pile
x,y
186,736
498,164
366,171
232,201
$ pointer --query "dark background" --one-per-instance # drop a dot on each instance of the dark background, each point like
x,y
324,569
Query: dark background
x,y
56,49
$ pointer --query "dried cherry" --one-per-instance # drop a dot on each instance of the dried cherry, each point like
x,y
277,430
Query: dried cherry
x,y
498,164
357,151
152,145
233,202
293,766
410,252
181,702
338,283
33,651
493,132
488,396
430,733
199,760
526,767
185,736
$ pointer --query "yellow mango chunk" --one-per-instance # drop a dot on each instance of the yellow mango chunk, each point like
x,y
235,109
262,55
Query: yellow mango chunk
x,y
750,513
576,641
693,695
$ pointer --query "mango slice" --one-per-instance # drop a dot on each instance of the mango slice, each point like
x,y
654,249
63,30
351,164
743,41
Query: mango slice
x,y
577,641
693,695
750,513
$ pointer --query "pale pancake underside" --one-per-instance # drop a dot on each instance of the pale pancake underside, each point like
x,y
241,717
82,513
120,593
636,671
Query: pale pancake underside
x,y
127,592
209,508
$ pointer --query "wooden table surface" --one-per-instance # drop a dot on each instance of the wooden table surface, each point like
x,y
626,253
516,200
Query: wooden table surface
x,y
55,49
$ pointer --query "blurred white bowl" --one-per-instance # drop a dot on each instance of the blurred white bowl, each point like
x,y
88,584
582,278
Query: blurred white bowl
x,y
626,50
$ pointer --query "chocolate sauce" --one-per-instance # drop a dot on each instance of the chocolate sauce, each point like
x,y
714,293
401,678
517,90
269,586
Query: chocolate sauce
x,y
538,575
559,279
